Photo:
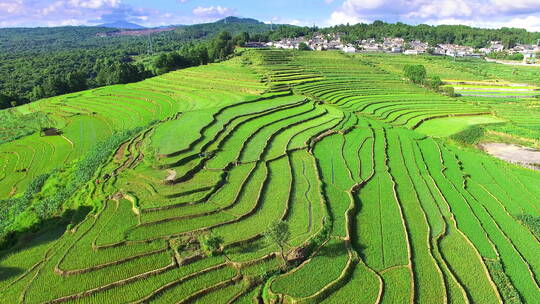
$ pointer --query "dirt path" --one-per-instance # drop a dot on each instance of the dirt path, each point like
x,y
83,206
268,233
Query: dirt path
x,y
522,156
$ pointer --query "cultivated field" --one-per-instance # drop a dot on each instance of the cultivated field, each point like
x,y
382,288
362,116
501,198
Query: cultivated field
x,y
384,204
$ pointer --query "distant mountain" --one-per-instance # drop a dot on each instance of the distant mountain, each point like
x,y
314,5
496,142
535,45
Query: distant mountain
x,y
122,25
232,19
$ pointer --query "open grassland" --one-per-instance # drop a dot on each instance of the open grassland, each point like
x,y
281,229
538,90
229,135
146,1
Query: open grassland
x,y
351,156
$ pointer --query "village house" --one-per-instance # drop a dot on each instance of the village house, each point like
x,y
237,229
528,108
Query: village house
x,y
370,45
288,43
529,57
349,49
411,52
396,49
496,46
255,45
419,46
454,50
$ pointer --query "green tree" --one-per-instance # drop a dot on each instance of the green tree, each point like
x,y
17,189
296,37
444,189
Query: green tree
x,y
416,73
241,39
449,91
278,233
170,62
211,244
303,47
76,81
161,64
221,46
110,73
434,83
202,57
5,101
37,93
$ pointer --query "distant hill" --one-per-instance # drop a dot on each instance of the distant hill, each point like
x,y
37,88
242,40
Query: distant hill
x,y
232,19
122,25
233,25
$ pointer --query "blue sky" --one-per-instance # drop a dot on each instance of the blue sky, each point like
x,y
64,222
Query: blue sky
x,y
482,13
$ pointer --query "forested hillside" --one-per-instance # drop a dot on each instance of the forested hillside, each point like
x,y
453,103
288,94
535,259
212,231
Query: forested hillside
x,y
44,62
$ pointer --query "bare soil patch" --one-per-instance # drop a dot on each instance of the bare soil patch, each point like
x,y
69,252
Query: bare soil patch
x,y
523,156
171,175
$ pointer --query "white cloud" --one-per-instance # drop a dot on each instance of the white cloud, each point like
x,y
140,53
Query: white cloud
x,y
341,17
483,13
442,8
94,4
51,8
213,11
359,5
15,13
11,7
516,5
531,23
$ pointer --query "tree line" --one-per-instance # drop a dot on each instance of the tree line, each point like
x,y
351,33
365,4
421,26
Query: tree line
x,y
433,35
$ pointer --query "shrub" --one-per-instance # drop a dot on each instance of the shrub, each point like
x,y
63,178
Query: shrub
x,y
11,208
416,73
531,222
501,279
278,233
469,136
449,91
434,83
211,244
304,47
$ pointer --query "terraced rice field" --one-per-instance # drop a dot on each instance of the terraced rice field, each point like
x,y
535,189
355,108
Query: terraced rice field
x,y
444,127
320,140
493,89
510,93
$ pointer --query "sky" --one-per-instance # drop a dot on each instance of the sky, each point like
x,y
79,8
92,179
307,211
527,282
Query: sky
x,y
481,13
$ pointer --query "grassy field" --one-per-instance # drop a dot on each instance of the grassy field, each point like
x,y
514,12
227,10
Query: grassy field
x,y
367,169
443,127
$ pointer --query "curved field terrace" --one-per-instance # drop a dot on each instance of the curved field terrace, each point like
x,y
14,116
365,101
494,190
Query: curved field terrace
x,y
273,177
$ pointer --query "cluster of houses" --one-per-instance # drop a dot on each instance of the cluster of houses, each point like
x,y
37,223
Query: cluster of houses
x,y
317,43
320,42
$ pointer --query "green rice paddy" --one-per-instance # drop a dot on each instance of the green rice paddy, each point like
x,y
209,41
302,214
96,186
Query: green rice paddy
x,y
353,157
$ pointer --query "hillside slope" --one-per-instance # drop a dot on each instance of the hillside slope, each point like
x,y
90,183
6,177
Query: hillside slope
x,y
377,212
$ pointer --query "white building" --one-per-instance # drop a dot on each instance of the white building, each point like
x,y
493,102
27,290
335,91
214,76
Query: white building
x,y
411,52
349,49
496,46
529,57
